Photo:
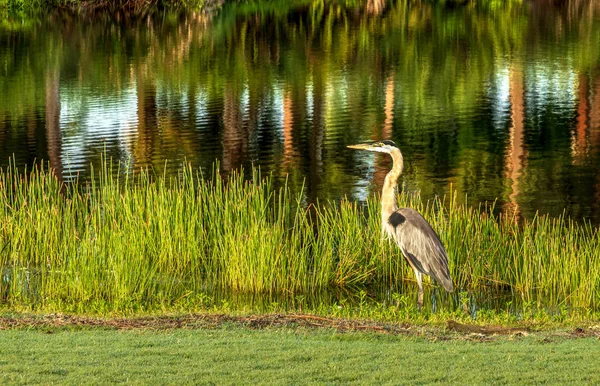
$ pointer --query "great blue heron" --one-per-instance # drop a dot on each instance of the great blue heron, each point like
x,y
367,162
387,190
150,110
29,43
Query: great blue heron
x,y
417,240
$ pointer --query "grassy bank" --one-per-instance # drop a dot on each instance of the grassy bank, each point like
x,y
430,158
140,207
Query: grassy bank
x,y
231,354
144,243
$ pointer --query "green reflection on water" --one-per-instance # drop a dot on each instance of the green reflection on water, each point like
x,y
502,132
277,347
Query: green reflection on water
x,y
498,100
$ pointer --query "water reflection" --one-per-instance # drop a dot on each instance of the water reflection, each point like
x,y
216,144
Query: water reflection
x,y
515,153
499,101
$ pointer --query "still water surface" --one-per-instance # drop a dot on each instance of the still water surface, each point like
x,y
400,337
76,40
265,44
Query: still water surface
x,y
498,101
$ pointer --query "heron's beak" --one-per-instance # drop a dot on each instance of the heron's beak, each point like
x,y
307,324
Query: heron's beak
x,y
361,146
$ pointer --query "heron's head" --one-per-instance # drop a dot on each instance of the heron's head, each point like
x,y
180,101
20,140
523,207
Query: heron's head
x,y
385,146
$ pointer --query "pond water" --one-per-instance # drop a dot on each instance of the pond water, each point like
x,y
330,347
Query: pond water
x,y
496,101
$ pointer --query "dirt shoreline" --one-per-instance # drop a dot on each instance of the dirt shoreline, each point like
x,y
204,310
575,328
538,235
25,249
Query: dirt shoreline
x,y
452,330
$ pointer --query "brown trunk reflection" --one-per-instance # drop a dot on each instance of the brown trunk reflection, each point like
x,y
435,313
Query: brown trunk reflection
x,y
579,144
289,152
384,163
53,134
594,113
375,7
234,140
147,118
515,153
316,137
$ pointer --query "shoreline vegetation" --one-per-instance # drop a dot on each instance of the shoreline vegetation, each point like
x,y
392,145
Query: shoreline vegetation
x,y
206,5
293,321
108,5
139,243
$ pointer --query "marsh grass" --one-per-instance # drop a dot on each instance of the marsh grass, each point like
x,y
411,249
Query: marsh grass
x,y
145,242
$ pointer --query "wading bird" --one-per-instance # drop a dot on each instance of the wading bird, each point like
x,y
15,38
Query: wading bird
x,y
417,240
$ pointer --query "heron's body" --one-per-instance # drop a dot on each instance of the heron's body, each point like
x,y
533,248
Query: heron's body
x,y
417,240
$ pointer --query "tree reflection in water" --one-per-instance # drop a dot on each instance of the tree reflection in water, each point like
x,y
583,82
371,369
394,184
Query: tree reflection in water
x,y
497,101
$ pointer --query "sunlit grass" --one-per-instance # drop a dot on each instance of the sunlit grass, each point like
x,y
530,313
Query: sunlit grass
x,y
233,355
146,242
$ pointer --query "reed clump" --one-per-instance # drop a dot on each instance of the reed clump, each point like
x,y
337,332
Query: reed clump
x,y
138,242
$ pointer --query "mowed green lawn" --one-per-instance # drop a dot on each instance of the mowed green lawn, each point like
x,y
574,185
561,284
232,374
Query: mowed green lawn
x,y
235,355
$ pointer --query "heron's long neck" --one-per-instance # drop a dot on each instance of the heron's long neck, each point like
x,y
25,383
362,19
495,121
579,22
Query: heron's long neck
x,y
388,194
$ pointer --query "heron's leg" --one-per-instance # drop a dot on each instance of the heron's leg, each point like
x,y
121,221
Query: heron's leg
x,y
419,276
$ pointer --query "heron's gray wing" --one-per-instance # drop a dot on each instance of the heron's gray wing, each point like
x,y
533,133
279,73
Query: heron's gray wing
x,y
420,244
